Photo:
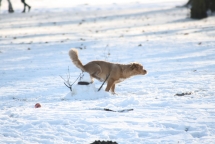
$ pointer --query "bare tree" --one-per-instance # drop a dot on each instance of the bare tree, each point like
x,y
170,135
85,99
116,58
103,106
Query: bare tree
x,y
25,5
189,3
10,6
199,8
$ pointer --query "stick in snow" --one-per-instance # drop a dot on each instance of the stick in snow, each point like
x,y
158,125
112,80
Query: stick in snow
x,y
104,82
67,82
106,109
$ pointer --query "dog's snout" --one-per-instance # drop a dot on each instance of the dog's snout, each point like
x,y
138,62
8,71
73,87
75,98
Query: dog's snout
x,y
145,71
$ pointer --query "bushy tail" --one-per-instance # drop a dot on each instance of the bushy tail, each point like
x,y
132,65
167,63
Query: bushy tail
x,y
73,53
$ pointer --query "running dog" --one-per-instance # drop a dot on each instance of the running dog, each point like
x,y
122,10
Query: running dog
x,y
112,72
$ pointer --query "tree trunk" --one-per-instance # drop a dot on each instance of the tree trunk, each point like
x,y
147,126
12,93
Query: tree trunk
x,y
212,5
189,3
10,7
198,10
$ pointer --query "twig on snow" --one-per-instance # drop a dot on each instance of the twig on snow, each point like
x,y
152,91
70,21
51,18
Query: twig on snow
x,y
67,82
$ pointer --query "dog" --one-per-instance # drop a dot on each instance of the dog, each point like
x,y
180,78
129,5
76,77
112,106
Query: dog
x,y
113,73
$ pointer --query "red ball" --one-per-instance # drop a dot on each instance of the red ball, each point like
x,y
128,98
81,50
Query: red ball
x,y
37,105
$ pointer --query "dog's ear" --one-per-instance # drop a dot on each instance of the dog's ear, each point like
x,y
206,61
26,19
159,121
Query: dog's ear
x,y
133,66
136,66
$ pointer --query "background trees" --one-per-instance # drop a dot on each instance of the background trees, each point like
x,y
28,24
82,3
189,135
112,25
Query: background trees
x,y
199,8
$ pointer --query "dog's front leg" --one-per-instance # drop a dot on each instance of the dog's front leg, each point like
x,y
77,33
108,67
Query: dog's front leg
x,y
109,84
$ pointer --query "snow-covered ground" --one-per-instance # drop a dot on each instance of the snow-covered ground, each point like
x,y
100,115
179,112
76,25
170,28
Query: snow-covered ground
x,y
179,54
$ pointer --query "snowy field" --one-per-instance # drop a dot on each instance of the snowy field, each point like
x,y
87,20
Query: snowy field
x,y
173,104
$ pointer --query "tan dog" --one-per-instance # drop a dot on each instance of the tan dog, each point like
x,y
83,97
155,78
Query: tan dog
x,y
101,70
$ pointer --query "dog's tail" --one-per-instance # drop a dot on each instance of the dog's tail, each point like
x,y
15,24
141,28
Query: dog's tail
x,y
73,53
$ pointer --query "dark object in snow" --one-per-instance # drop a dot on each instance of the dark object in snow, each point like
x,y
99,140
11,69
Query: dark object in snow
x,y
124,110
104,142
83,83
106,109
186,129
183,94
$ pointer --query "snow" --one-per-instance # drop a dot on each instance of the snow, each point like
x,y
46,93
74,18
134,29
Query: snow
x,y
85,77
177,52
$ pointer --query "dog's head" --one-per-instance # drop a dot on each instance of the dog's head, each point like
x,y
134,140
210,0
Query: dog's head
x,y
137,69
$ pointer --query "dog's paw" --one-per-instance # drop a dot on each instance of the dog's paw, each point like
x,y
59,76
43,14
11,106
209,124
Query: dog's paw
x,y
113,93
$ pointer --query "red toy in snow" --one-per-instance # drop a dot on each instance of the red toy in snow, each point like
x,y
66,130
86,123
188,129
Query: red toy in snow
x,y
37,105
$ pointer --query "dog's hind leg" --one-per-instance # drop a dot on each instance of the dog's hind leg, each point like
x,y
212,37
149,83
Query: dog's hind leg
x,y
110,83
92,80
112,89
96,73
